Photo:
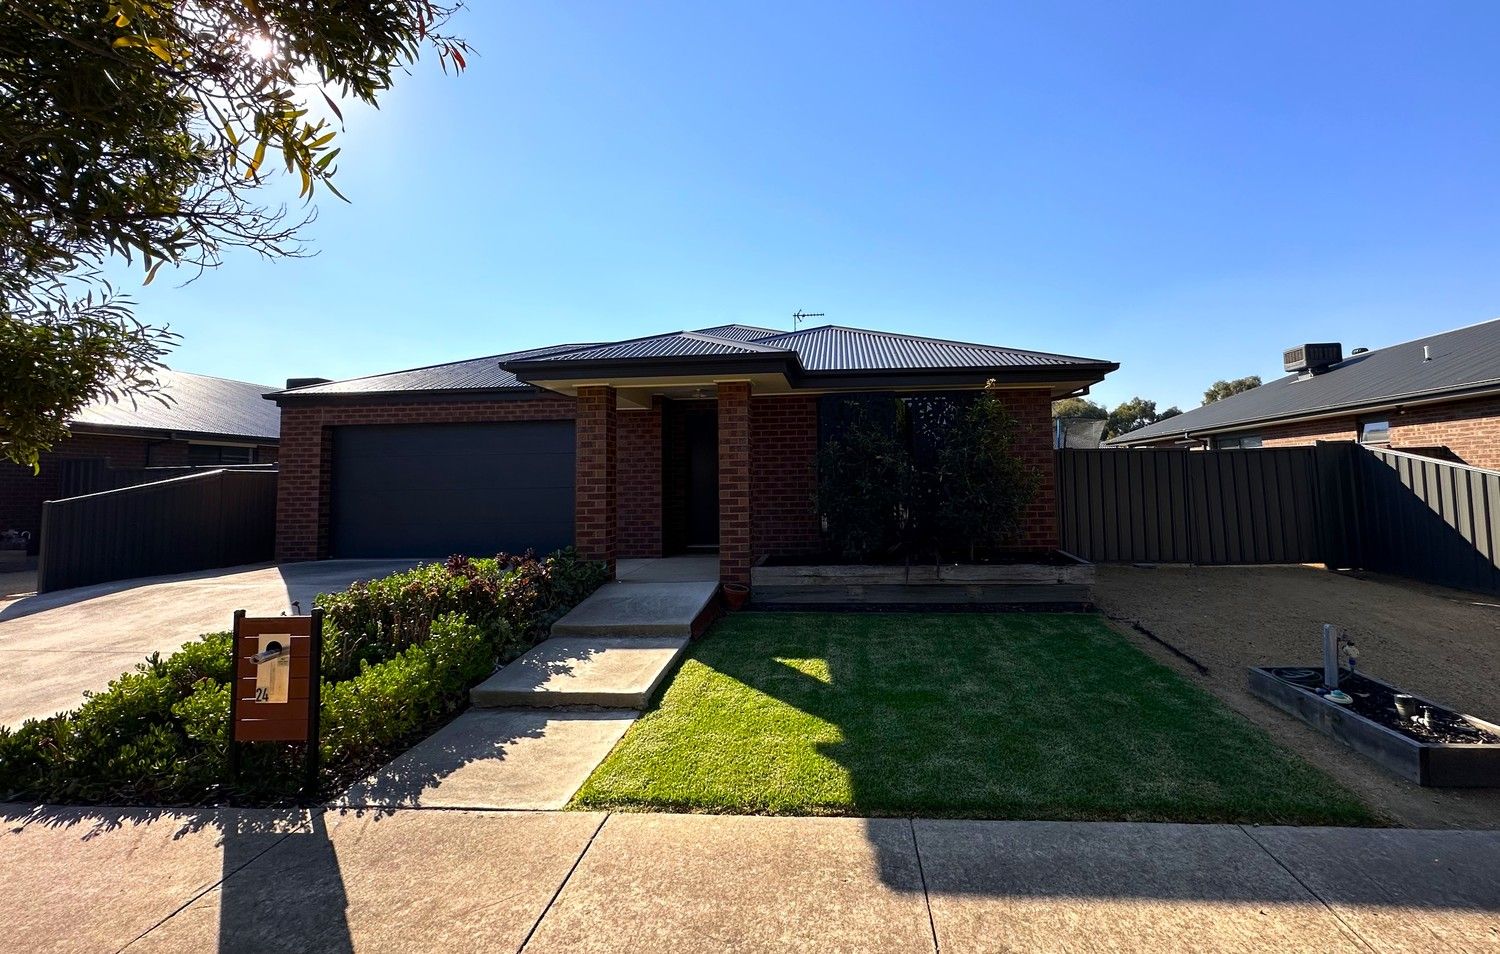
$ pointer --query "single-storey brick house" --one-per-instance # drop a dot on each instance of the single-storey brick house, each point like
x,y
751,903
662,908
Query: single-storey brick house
x,y
637,448
204,422
1438,395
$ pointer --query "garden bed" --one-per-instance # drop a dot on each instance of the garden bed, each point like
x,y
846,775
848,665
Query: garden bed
x,y
1444,749
1057,583
399,655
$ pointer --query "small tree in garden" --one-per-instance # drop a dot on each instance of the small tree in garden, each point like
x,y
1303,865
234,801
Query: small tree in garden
x,y
864,475
983,487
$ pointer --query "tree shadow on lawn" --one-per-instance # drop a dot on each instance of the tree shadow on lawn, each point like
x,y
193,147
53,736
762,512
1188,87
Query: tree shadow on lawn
x,y
1058,717
1004,716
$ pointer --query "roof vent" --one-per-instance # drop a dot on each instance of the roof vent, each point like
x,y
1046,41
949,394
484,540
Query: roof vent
x,y
1313,358
305,382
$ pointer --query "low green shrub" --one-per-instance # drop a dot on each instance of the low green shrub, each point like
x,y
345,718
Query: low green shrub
x,y
160,734
372,622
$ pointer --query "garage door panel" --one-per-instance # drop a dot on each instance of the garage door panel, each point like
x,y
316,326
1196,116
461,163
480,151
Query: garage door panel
x,y
434,490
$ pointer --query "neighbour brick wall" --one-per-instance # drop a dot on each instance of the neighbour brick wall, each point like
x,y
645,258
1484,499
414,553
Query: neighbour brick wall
x,y
734,482
1470,429
306,455
22,492
1032,409
784,475
638,473
595,512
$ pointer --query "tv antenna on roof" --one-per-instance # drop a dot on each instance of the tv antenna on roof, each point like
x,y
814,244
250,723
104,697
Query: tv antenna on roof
x,y
799,316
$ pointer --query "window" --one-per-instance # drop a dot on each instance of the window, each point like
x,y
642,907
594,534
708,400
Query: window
x,y
1375,432
206,455
1237,443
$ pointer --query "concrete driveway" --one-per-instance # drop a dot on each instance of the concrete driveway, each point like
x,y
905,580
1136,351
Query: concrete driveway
x,y
54,646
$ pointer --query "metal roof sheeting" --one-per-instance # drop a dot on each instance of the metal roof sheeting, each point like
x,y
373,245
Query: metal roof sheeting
x,y
1462,359
827,348
475,373
833,348
196,404
739,332
677,344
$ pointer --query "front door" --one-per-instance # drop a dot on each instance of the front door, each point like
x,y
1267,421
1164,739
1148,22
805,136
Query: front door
x,y
702,433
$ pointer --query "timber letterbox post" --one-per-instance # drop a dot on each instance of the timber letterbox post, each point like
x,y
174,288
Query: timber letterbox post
x,y
277,679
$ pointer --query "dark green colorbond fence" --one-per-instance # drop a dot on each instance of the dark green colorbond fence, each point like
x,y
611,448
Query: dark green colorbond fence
x,y
1335,503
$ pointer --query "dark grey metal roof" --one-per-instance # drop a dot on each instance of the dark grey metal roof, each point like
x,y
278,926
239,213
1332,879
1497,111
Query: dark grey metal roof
x,y
1464,360
196,404
676,344
739,332
473,374
827,349
831,348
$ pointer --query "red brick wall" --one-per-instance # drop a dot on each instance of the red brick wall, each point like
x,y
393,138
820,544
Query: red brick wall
x,y
784,475
734,482
1033,412
22,492
306,452
1470,429
638,472
596,512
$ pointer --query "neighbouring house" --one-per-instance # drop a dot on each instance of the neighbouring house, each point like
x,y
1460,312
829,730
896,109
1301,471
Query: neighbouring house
x,y
1438,395
204,422
638,448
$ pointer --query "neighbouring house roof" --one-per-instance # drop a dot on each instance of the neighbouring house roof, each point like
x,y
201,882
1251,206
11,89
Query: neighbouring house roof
x,y
825,356
195,405
1454,364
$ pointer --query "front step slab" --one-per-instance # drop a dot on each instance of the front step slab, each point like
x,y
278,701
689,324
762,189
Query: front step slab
x,y
496,759
615,672
640,609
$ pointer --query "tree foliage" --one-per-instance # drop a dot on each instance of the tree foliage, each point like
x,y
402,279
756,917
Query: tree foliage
x,y
144,130
1079,409
1222,388
1134,414
864,482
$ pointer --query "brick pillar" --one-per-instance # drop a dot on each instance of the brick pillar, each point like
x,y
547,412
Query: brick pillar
x,y
734,482
302,510
595,510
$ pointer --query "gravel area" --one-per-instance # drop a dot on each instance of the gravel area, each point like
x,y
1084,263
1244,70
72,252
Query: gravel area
x,y
1443,644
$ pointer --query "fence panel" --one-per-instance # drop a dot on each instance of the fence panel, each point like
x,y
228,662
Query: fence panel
x,y
1430,520
212,519
1169,505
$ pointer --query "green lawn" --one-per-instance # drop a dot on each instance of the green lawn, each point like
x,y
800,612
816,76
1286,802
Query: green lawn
x,y
989,716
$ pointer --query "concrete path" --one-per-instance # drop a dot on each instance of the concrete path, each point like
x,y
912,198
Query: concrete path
x,y
438,880
640,609
497,758
54,646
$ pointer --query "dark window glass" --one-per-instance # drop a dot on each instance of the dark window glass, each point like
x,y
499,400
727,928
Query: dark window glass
x,y
202,455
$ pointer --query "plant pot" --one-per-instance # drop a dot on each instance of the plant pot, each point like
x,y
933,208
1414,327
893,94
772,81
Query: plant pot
x,y
736,595
1406,706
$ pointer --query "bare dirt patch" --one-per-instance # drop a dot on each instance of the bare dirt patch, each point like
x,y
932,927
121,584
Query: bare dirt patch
x,y
1213,623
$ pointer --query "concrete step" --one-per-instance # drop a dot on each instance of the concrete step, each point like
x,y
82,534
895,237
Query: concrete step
x,y
984,597
677,608
616,672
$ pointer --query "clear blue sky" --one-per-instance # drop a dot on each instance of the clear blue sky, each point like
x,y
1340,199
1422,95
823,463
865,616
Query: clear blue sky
x,y
1181,187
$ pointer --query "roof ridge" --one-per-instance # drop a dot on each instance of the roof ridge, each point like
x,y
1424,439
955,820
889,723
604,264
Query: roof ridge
x,y
747,345
1409,341
951,341
218,377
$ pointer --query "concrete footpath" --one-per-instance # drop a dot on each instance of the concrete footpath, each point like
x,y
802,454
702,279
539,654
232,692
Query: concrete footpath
x,y
452,880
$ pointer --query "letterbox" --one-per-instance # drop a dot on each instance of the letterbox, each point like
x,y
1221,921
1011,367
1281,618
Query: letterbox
x,y
276,678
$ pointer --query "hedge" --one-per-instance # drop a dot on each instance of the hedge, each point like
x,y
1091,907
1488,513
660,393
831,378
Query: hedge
x,y
400,654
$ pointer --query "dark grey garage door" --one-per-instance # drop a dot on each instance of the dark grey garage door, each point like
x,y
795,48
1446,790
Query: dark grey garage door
x,y
435,490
